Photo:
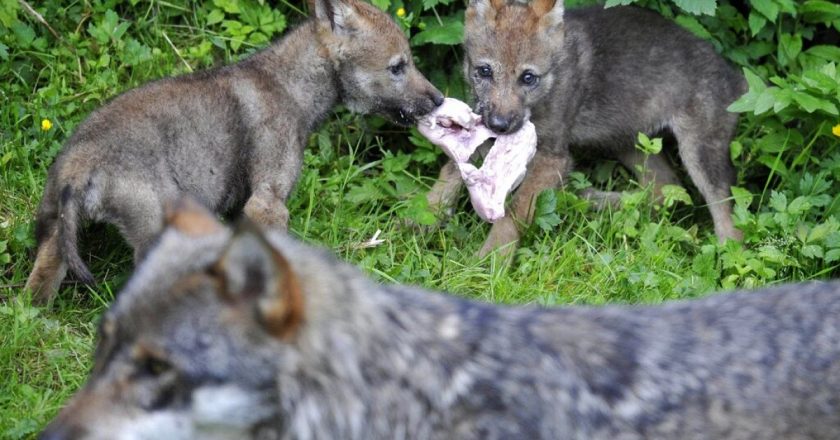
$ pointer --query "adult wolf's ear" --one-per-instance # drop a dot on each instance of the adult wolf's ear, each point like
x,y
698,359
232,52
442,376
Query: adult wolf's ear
x,y
339,16
550,13
255,274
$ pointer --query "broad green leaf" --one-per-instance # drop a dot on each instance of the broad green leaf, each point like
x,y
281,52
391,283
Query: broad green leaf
x,y
811,104
788,6
8,12
736,148
24,34
382,4
765,101
742,196
812,251
648,145
830,70
832,256
230,6
693,26
789,47
799,205
697,7
756,22
119,30
820,81
758,49
745,103
674,194
215,16
778,201
820,11
820,232
767,8
545,215
828,52
366,192
450,33
771,254
135,52
429,4
784,98
756,83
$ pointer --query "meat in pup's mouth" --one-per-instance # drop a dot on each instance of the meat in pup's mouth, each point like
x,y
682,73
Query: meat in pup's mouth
x,y
449,123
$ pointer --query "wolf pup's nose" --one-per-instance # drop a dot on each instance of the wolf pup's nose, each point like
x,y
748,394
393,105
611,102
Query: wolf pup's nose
x,y
499,124
437,98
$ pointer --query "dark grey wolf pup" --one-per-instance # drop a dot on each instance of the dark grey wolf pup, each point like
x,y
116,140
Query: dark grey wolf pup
x,y
258,336
229,137
593,78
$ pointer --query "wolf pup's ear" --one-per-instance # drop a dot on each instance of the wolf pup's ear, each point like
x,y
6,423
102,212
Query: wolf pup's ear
x,y
254,272
189,217
550,13
483,11
339,15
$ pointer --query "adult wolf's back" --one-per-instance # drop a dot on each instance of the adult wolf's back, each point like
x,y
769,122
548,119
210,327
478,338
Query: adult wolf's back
x,y
252,335
594,78
229,137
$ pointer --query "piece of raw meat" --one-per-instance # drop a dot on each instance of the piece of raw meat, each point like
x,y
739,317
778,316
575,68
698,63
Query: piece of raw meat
x,y
458,132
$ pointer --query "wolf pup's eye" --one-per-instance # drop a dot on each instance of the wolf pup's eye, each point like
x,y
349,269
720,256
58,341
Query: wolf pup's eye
x,y
484,71
529,78
397,69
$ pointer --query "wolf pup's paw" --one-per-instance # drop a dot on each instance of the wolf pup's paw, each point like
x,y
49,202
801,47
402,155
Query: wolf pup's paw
x,y
503,239
267,211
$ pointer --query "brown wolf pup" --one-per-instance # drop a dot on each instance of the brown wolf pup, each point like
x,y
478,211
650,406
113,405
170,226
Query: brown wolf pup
x,y
591,79
253,335
229,137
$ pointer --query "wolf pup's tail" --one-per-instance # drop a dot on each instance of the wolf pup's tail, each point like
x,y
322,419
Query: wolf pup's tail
x,y
68,229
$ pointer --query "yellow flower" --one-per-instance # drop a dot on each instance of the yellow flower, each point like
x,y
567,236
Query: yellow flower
x,y
46,124
401,12
836,130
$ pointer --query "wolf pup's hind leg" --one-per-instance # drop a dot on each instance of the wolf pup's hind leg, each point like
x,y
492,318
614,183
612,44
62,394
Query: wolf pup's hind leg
x,y
443,194
649,169
137,211
704,150
48,271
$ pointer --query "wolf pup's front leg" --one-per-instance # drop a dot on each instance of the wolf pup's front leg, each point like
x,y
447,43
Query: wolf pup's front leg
x,y
546,171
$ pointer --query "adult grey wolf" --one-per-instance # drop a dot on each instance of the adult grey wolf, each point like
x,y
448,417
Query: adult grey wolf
x,y
592,79
229,137
255,335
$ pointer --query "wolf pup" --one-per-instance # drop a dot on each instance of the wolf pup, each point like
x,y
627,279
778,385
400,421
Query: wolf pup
x,y
229,137
253,335
593,78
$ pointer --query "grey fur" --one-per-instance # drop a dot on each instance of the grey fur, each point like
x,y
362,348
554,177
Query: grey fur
x,y
604,76
372,361
231,137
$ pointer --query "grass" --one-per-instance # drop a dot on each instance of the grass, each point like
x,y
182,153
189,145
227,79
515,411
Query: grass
x,y
360,176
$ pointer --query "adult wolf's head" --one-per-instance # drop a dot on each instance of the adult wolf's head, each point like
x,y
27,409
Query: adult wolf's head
x,y
511,57
373,60
195,343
